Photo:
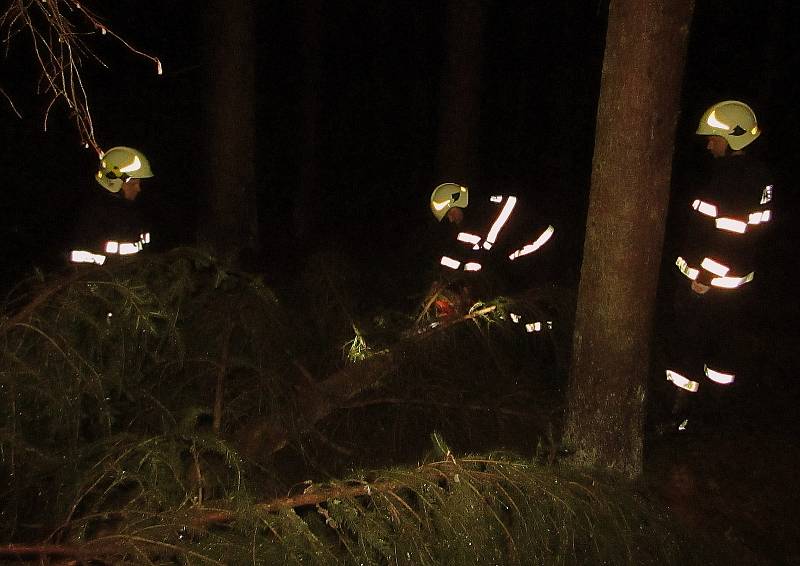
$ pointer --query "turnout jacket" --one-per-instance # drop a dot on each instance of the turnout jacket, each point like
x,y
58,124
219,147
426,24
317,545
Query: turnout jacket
x,y
725,222
501,233
108,225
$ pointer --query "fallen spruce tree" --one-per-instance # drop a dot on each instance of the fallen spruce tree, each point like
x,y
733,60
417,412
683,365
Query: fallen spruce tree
x,y
492,509
161,409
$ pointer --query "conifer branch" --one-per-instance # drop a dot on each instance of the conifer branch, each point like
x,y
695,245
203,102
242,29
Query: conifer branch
x,y
43,296
205,517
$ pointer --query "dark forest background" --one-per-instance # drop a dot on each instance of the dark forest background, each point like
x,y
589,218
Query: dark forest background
x,y
376,78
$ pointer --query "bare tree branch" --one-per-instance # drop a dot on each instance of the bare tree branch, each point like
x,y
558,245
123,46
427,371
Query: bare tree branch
x,y
57,30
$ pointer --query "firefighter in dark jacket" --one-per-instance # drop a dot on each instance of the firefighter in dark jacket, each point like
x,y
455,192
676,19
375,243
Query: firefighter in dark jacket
x,y
496,238
110,224
716,262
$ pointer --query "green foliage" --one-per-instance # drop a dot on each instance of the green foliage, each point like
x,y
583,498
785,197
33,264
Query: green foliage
x,y
116,373
127,390
493,509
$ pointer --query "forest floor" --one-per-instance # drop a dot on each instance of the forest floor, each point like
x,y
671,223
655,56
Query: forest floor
x,y
733,481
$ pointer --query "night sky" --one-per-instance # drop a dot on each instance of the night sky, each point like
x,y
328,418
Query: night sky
x,y
380,94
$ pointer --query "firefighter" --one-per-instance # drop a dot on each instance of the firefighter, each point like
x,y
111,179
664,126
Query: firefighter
x,y
110,223
449,294
497,238
716,260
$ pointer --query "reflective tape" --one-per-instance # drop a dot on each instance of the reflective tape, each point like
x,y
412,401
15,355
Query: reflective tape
x,y
128,248
134,165
83,256
733,224
532,326
723,280
440,205
732,282
766,194
718,376
123,248
682,382
111,247
472,266
705,208
714,122
730,224
740,226
532,247
500,222
715,267
468,238
689,272
450,262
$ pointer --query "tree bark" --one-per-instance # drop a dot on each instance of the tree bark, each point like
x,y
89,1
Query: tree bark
x,y
636,121
230,223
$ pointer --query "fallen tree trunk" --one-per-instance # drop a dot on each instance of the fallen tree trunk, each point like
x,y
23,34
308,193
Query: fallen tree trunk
x,y
319,399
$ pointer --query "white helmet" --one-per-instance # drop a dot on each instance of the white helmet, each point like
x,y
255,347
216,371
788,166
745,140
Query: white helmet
x,y
733,120
447,196
119,164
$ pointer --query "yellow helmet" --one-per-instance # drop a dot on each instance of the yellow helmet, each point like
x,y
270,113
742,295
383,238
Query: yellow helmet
x,y
447,196
733,120
119,164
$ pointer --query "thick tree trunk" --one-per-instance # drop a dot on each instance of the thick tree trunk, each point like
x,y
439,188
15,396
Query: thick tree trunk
x,y
460,93
636,121
230,223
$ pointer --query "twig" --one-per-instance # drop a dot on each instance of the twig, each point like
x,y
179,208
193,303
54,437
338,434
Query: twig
x,y
10,102
58,46
315,497
448,322
436,288
206,517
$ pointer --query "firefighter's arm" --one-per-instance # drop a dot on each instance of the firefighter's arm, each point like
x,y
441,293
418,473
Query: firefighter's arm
x,y
534,244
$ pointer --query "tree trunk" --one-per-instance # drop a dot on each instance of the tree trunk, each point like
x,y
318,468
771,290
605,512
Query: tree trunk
x,y
636,121
460,93
230,222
